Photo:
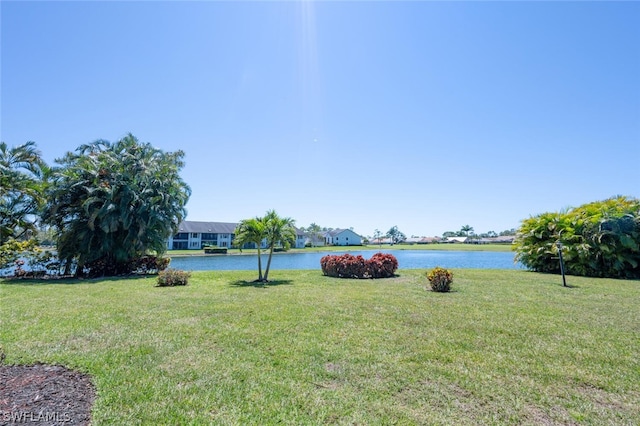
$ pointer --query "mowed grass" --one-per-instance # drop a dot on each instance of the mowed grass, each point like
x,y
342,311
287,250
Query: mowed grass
x,y
370,247
505,347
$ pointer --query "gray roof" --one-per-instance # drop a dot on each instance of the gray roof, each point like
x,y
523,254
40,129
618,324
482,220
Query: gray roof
x,y
211,227
207,227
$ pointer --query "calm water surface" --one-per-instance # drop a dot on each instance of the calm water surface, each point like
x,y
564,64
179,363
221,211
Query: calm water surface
x,y
407,259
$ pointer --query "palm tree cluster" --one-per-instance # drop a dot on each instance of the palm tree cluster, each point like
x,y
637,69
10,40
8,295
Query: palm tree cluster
x,y
272,229
109,204
599,239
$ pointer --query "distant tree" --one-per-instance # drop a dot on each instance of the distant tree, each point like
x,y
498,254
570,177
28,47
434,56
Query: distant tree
x,y
508,232
377,235
395,235
278,230
448,234
466,229
491,234
251,231
314,232
112,203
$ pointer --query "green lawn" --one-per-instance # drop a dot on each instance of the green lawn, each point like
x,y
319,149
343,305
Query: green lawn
x,y
384,247
506,347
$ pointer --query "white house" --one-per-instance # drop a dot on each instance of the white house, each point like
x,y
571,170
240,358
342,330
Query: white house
x,y
342,237
194,235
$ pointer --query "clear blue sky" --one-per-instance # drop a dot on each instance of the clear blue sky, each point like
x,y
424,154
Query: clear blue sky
x,y
424,115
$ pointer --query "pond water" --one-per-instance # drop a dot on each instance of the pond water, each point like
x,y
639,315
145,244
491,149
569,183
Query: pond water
x,y
407,259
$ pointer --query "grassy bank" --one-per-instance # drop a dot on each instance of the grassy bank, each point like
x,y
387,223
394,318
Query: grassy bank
x,y
448,247
506,347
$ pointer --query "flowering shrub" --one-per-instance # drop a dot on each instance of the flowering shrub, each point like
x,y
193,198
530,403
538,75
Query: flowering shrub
x,y
172,277
380,265
440,279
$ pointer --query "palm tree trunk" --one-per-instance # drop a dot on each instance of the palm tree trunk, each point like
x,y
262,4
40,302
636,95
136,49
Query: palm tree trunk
x,y
266,272
259,264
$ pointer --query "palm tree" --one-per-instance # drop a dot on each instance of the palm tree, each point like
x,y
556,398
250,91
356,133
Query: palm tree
x,y
251,231
278,230
466,229
115,202
22,176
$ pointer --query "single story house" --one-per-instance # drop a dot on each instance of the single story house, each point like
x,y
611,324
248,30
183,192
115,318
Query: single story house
x,y
421,240
342,237
194,235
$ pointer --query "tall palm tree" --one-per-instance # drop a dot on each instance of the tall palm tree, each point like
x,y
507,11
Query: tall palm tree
x,y
278,230
251,231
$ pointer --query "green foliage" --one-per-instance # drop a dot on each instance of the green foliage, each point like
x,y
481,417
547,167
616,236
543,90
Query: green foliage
x,y
251,231
395,235
112,203
600,239
22,182
440,279
273,229
215,250
12,250
173,277
279,230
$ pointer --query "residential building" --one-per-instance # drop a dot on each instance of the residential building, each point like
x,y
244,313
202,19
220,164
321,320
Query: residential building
x,y
342,237
193,235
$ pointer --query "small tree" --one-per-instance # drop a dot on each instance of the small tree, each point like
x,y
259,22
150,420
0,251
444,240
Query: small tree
x,y
395,235
278,230
251,231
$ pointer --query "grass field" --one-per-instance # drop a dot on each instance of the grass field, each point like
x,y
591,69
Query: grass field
x,y
505,347
383,247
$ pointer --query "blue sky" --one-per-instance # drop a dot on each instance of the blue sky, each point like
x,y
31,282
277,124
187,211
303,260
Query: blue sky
x,y
424,115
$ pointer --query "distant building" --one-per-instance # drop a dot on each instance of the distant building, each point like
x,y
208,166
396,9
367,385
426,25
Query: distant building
x,y
342,237
193,235
421,240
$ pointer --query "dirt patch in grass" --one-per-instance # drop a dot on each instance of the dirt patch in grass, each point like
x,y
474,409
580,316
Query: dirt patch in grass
x,y
43,394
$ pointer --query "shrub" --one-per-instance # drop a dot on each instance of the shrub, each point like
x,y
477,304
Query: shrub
x,y
173,277
380,265
599,239
440,279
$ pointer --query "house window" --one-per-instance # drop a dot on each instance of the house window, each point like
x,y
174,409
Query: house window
x,y
194,235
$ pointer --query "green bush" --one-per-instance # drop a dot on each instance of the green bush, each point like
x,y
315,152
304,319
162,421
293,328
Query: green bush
x,y
599,239
173,277
440,279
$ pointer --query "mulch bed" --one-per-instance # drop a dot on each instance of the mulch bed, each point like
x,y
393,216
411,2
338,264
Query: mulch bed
x,y
44,394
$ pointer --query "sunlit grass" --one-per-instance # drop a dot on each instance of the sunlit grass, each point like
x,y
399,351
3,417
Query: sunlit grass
x,y
372,247
505,347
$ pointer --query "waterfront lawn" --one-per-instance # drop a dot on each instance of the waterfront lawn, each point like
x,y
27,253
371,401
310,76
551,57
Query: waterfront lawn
x,y
373,248
505,347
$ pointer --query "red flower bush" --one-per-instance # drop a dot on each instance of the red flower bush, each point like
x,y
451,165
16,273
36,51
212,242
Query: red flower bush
x,y
381,265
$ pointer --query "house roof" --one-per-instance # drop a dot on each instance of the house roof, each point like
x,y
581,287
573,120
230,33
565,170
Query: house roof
x,y
338,231
211,227
207,227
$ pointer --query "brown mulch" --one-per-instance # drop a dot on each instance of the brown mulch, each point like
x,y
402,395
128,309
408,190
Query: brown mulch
x,y
44,394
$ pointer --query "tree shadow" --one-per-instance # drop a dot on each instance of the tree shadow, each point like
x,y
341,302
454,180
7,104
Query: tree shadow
x,y
68,280
260,284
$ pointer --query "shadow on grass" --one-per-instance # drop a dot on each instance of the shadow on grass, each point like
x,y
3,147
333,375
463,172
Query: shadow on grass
x,y
69,280
260,284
